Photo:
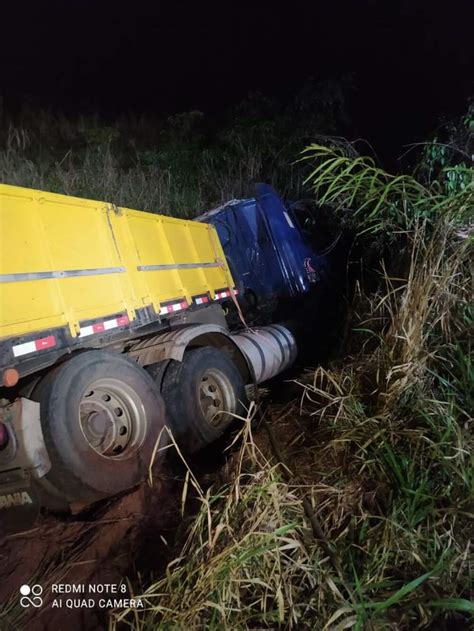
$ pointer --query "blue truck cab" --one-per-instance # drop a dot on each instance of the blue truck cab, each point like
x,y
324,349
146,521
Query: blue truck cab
x,y
265,247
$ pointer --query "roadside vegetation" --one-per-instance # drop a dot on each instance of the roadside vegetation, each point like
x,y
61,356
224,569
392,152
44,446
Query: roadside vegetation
x,y
182,164
349,503
350,506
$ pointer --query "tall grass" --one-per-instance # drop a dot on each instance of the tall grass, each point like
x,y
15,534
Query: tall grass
x,y
102,170
183,164
244,561
379,442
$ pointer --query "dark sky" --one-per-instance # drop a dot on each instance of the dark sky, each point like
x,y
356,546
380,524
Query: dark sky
x,y
411,61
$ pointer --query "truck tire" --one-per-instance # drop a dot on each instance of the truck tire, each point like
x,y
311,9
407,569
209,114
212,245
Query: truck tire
x,y
101,416
203,394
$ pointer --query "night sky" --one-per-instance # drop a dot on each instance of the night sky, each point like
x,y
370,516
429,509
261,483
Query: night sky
x,y
410,63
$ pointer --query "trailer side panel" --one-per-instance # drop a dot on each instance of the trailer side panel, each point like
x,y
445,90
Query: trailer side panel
x,y
66,261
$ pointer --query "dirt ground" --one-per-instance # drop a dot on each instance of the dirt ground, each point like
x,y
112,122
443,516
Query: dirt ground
x,y
125,537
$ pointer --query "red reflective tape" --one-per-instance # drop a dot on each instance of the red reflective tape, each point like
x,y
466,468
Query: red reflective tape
x,y
184,305
169,308
45,342
98,328
122,320
199,300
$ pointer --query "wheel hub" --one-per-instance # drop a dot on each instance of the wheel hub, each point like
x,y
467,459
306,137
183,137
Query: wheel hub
x,y
216,397
112,418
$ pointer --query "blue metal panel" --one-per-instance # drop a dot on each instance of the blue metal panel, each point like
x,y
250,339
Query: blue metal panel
x,y
264,246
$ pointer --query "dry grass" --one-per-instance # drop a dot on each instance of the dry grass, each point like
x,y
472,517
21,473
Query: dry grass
x,y
247,559
167,166
379,443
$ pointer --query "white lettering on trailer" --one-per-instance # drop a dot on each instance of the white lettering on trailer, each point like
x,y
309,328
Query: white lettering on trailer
x,y
15,499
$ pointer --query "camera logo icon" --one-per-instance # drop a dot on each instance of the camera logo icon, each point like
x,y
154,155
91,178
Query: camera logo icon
x,y
31,596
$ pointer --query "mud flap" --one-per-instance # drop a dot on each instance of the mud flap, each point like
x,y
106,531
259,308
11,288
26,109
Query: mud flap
x,y
19,502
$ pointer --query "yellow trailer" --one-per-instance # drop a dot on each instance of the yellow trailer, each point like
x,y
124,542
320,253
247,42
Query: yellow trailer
x,y
68,263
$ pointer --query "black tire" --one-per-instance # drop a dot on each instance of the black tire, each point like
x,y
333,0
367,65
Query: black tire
x,y
157,372
183,391
97,446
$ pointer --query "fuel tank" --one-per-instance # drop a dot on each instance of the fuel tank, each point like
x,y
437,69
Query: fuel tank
x,y
269,350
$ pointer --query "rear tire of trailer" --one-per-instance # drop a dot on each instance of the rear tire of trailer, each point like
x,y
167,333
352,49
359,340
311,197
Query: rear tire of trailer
x,y
203,395
101,417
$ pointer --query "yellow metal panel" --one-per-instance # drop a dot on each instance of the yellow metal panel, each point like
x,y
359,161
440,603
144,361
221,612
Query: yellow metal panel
x,y
104,247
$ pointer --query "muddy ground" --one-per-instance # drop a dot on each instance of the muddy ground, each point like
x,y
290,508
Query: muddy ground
x,y
130,536
127,538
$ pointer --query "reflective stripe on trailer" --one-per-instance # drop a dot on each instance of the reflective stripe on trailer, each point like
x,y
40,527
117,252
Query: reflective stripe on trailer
x,y
173,307
106,325
225,294
34,346
99,327
200,300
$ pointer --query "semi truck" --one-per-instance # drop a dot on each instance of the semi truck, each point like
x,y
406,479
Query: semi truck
x,y
116,324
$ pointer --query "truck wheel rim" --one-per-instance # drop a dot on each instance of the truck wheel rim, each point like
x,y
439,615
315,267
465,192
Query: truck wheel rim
x,y
216,397
112,418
